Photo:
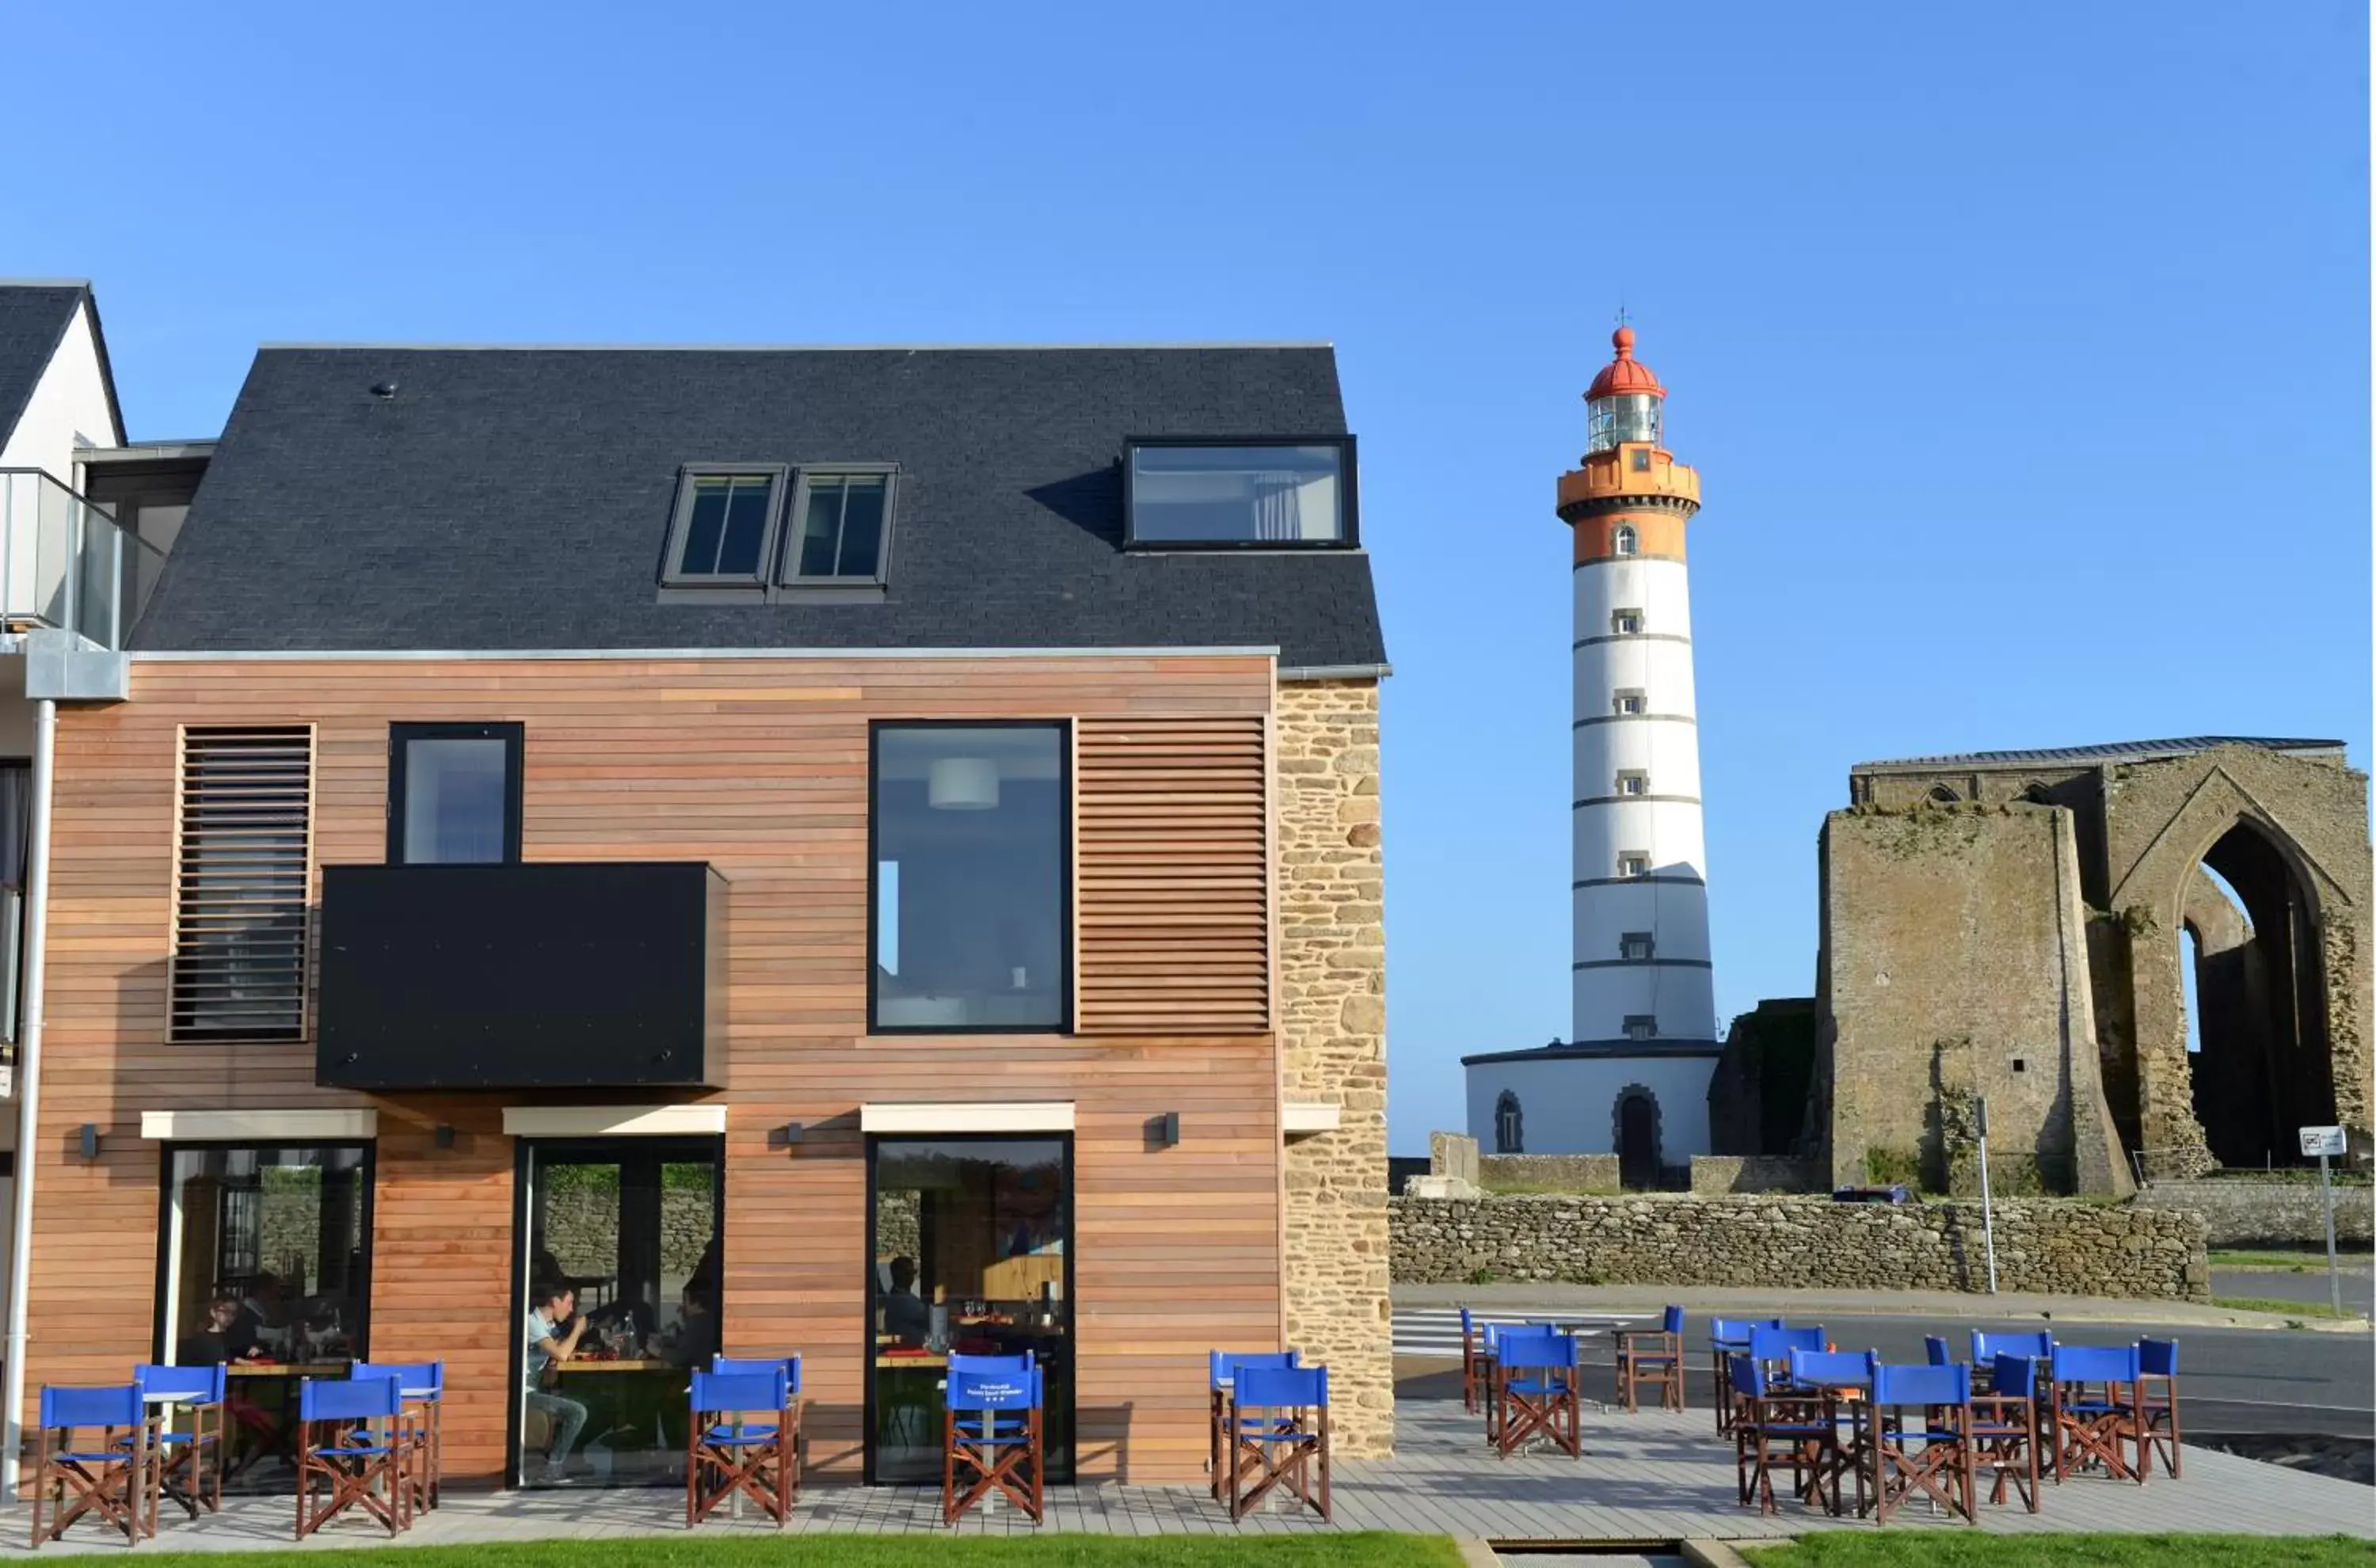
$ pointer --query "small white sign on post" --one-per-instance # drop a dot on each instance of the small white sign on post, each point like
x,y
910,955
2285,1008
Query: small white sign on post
x,y
2327,1142
2321,1140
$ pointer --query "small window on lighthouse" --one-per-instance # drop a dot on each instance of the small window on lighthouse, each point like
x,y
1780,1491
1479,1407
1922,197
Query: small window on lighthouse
x,y
1641,459
1632,702
1625,622
1633,783
1641,1026
1635,946
1623,542
1633,862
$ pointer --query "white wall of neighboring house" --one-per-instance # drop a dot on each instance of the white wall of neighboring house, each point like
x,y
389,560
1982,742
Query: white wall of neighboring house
x,y
68,408
1569,1103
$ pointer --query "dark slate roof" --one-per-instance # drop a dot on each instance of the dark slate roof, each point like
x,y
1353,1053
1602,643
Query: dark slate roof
x,y
519,498
2114,751
33,322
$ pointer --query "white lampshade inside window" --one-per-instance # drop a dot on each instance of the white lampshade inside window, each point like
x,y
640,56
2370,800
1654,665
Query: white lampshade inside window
x,y
963,784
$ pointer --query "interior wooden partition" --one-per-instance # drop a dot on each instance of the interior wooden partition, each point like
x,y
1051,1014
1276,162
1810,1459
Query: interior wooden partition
x,y
757,765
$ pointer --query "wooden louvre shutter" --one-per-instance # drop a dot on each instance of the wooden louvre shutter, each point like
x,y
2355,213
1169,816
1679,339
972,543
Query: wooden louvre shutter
x,y
1173,876
241,864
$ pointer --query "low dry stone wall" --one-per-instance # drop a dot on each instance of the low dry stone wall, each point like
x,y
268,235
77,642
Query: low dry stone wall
x,y
1808,1243
2240,1212
1713,1174
1568,1172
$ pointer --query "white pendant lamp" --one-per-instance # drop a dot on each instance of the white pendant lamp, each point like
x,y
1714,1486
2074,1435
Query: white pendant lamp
x,y
963,784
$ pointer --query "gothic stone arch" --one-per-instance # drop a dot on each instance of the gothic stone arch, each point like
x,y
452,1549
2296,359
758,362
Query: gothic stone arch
x,y
2291,836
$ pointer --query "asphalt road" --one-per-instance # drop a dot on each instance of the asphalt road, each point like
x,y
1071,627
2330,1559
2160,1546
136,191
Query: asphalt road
x,y
2309,1285
2231,1380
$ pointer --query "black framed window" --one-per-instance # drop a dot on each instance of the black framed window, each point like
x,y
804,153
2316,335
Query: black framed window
x,y
969,917
264,1250
453,793
723,531
1251,493
843,532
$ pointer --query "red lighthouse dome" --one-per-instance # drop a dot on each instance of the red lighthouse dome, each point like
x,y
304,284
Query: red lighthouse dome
x,y
1625,375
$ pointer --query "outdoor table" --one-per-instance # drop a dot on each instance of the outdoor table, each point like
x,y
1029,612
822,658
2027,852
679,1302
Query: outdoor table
x,y
290,1375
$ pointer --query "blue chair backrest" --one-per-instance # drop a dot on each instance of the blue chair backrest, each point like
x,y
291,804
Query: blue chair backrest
x,y
1522,1352
420,1380
1468,1322
1921,1385
1725,1332
1281,1388
739,1391
1225,1363
1775,1344
2094,1363
197,1386
1832,1368
2016,1376
1672,1323
1015,1388
2157,1358
1007,1365
1935,1349
108,1406
1987,1348
789,1365
1748,1375
356,1399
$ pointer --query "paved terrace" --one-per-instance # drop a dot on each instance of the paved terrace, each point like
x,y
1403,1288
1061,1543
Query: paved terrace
x,y
1650,1477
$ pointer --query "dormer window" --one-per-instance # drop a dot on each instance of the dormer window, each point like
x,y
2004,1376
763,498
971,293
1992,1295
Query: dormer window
x,y
845,525
1287,492
725,523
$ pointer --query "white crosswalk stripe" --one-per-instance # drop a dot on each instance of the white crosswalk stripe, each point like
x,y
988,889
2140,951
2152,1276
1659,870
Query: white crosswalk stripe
x,y
1435,1331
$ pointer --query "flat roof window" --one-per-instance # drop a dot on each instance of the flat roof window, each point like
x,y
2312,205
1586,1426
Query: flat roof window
x,y
845,526
1281,494
724,524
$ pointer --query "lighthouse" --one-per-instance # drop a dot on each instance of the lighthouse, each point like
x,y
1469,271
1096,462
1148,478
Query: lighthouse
x,y
1631,1079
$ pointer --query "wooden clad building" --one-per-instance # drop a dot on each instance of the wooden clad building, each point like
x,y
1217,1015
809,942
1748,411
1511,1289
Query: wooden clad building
x,y
776,851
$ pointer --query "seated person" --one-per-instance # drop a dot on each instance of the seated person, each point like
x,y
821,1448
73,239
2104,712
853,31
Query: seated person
x,y
695,1339
905,1316
552,1331
228,1336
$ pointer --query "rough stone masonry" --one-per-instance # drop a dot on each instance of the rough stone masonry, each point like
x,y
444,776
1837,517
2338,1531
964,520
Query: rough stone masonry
x,y
1332,1038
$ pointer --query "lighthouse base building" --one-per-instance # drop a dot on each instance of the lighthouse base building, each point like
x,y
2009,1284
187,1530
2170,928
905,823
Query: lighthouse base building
x,y
1633,1078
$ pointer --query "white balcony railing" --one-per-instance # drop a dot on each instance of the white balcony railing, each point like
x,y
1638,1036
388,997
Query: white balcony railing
x,y
65,564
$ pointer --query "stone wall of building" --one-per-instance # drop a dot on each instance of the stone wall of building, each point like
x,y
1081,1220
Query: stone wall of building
x,y
1713,1173
1800,1243
1332,1035
1955,943
1554,1172
2243,1212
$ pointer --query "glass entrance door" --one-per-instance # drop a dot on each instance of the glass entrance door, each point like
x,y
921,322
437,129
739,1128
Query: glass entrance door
x,y
970,1250
620,1275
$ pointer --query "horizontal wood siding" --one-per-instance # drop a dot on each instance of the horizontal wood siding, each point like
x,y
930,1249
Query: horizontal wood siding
x,y
1174,913
759,767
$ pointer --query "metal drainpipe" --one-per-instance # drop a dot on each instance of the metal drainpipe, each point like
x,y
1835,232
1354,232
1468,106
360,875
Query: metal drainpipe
x,y
29,1088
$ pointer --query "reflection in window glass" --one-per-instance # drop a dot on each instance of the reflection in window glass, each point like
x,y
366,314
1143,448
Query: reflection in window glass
x,y
1236,494
265,1254
726,526
969,840
841,526
456,800
971,1238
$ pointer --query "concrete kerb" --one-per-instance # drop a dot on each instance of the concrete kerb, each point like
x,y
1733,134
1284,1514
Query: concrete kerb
x,y
2147,1312
1714,1554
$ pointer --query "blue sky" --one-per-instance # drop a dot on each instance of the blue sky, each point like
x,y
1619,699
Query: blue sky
x,y
2021,348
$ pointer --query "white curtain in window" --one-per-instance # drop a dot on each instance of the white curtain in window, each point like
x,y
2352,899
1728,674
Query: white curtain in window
x,y
1278,506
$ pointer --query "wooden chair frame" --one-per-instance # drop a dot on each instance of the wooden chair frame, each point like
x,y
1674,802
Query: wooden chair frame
x,y
2156,1405
359,1457
1276,1444
2004,1442
727,1453
1223,1367
978,1459
1808,1423
1554,1410
1651,1355
2090,1417
1940,1469
117,1479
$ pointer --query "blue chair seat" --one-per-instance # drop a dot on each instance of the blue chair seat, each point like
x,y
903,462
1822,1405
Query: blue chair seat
x,y
739,1436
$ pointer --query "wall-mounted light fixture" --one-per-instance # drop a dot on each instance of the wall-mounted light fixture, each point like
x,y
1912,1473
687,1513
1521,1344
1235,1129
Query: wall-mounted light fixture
x,y
786,1137
1167,1130
444,1134
89,1140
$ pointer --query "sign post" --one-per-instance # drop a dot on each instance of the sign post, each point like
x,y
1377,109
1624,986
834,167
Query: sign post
x,y
2323,1141
1988,1210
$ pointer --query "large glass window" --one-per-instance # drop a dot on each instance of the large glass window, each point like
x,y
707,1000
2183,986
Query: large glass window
x,y
972,1240
266,1254
622,1276
1282,494
970,923
454,792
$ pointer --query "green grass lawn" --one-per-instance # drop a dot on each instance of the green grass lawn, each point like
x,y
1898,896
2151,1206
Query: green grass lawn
x,y
2296,1261
1942,1548
2296,1310
694,1550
